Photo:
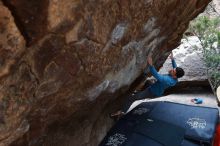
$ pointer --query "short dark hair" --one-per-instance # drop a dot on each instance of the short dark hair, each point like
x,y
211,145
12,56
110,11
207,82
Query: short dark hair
x,y
179,72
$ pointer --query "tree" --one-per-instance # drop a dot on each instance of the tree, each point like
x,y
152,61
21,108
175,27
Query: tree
x,y
207,30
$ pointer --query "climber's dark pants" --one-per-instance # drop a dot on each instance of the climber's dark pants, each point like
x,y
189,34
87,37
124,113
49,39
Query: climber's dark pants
x,y
138,96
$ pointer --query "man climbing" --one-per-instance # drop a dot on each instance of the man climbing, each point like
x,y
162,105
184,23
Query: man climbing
x,y
156,89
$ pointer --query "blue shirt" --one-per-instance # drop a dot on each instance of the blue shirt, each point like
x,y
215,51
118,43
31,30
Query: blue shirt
x,y
163,81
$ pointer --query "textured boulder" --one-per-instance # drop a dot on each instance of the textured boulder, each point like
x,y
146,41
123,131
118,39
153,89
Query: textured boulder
x,y
65,63
12,47
216,6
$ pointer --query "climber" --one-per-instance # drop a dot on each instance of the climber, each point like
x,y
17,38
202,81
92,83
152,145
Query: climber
x,y
156,89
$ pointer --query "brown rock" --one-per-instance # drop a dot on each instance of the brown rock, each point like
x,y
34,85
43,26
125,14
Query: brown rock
x,y
12,44
81,56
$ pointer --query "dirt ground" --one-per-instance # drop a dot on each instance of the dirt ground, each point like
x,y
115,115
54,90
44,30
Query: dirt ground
x,y
185,97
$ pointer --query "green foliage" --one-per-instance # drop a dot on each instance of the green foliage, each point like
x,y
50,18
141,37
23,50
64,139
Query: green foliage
x,y
207,30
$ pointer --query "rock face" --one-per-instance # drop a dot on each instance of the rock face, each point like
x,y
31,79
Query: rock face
x,y
216,5
65,63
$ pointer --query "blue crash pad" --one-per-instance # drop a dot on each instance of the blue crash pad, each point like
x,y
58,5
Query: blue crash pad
x,y
199,122
173,124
